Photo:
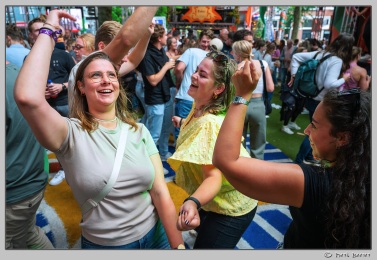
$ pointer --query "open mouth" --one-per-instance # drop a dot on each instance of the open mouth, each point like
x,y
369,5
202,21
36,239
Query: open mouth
x,y
105,91
193,86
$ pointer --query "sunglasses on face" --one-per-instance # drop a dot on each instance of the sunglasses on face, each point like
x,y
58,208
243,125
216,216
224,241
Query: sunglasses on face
x,y
77,47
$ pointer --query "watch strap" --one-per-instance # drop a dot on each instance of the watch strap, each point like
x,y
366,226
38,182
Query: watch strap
x,y
240,100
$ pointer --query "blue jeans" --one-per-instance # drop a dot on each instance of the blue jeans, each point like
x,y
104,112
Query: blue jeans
x,y
274,76
283,75
305,151
159,124
155,239
217,231
62,110
139,92
167,124
182,109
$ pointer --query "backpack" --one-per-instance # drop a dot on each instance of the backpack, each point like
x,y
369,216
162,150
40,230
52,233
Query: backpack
x,y
304,83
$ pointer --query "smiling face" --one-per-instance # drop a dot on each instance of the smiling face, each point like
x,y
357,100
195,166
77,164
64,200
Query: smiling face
x,y
100,85
323,144
174,45
80,49
202,86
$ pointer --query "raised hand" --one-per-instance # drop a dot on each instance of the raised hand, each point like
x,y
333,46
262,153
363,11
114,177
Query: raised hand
x,y
246,78
54,17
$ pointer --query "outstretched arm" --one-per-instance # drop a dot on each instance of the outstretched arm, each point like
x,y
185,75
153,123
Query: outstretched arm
x,y
266,181
131,32
48,126
164,204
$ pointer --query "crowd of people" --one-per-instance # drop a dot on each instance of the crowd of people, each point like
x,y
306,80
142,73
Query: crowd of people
x,y
144,88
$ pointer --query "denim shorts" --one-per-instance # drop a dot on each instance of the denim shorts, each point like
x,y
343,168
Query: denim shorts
x,y
155,239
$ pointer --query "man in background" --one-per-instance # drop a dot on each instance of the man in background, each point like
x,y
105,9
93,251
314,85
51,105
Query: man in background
x,y
185,67
26,178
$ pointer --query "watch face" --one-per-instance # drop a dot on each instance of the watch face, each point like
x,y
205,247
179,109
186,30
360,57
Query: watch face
x,y
240,100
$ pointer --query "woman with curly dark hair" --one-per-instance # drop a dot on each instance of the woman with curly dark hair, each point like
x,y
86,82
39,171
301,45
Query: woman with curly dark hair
x,y
329,204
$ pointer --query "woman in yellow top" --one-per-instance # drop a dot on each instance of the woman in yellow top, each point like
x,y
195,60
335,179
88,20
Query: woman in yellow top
x,y
215,209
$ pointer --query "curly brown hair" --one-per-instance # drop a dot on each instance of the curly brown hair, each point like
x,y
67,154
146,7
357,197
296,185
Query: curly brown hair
x,y
348,206
159,31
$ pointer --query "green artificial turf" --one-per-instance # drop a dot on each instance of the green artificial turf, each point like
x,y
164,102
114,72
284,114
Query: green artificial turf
x,y
288,144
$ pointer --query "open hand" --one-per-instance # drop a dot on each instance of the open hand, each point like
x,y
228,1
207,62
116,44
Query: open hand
x,y
54,17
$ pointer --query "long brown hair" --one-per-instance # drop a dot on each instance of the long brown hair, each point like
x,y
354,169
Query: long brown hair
x,y
80,108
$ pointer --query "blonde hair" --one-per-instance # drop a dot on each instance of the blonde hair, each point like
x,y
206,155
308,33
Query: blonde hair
x,y
88,40
356,51
243,49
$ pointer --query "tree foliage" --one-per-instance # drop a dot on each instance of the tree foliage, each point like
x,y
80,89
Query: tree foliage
x,y
104,14
295,16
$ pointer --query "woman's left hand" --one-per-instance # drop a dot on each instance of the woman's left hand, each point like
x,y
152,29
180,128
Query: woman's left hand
x,y
188,217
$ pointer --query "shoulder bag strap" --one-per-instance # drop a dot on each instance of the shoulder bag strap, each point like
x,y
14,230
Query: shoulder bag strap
x,y
319,63
91,203
264,80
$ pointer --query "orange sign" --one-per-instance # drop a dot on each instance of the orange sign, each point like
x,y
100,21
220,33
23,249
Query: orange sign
x,y
201,14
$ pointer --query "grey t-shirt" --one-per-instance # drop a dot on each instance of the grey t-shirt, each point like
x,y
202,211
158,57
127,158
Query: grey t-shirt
x,y
127,213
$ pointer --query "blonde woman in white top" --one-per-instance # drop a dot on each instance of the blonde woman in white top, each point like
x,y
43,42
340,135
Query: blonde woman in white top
x,y
255,120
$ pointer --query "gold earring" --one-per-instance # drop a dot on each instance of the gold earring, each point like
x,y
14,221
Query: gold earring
x,y
214,96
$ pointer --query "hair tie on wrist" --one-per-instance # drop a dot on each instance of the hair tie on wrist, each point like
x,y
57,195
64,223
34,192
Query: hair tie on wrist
x,y
56,27
197,202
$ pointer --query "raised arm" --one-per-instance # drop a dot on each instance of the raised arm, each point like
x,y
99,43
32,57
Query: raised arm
x,y
131,32
137,54
48,126
266,181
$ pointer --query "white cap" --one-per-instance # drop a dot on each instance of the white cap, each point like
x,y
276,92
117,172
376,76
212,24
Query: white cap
x,y
216,44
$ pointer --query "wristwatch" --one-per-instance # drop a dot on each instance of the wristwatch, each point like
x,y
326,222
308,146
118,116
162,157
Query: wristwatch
x,y
240,100
64,87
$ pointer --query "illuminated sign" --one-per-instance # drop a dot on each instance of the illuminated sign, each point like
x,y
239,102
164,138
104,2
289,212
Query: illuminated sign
x,y
201,14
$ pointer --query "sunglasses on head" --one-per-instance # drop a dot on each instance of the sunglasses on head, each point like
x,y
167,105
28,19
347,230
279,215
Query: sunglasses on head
x,y
351,95
218,56
351,91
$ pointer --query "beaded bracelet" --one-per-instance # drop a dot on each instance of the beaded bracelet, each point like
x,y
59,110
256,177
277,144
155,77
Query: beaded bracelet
x,y
197,202
50,32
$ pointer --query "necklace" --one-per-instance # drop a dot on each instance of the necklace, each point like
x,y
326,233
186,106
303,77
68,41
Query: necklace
x,y
105,120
